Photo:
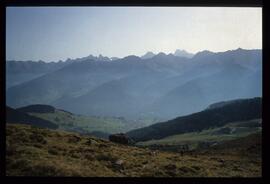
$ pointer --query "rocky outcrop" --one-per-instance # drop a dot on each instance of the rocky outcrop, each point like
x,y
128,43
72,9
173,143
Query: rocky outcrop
x,y
121,138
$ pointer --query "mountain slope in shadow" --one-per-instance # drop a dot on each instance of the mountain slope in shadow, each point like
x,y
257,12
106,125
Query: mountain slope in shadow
x,y
238,110
16,116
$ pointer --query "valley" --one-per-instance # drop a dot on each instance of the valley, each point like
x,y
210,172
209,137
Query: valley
x,y
133,91
185,116
80,146
64,120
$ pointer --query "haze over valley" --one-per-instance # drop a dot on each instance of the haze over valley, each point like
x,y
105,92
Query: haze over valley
x,y
134,91
163,86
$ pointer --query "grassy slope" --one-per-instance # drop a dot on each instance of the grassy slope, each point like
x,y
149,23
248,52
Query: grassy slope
x,y
41,152
66,120
240,129
108,125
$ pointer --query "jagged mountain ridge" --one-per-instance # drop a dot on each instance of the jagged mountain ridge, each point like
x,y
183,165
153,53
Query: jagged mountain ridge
x,y
148,85
183,53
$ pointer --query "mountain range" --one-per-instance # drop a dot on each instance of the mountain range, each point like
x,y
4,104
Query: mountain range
x,y
162,85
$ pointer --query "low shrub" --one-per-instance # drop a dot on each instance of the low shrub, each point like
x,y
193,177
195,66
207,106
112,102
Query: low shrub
x,y
53,151
107,157
74,139
38,138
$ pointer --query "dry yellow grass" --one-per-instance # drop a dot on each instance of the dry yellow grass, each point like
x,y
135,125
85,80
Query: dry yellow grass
x,y
40,152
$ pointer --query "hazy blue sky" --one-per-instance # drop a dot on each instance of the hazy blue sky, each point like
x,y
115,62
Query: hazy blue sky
x,y
54,33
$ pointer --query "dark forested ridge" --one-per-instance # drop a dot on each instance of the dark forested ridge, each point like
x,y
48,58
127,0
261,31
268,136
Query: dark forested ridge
x,y
238,110
38,108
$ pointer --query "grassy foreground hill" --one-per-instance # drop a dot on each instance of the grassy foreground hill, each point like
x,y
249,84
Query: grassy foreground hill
x,y
32,151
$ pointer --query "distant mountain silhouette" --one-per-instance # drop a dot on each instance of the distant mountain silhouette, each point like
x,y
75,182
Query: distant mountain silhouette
x,y
203,54
163,86
22,71
18,72
94,58
183,53
114,58
148,55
